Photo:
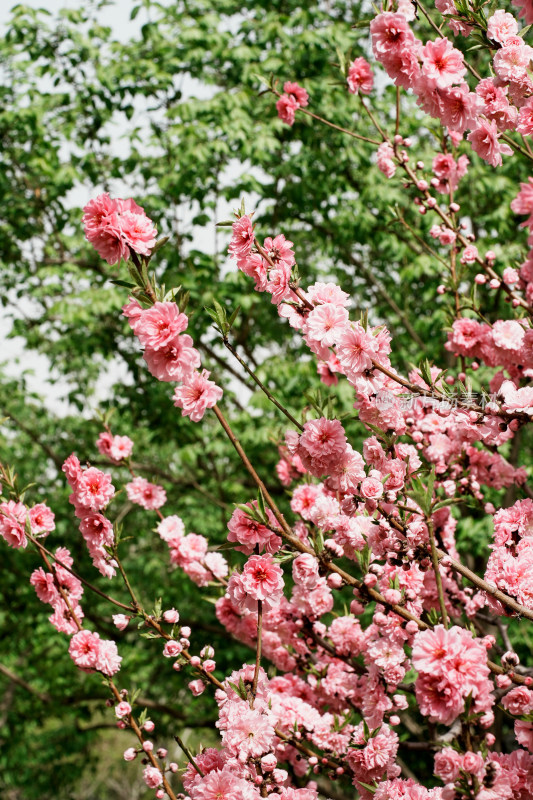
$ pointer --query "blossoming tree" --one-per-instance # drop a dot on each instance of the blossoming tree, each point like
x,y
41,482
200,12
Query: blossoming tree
x,y
368,635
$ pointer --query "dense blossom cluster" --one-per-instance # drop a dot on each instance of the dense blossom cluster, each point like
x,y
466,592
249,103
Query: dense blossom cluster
x,y
405,634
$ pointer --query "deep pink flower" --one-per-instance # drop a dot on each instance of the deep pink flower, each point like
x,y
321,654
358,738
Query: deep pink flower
x,y
297,92
196,394
249,533
286,107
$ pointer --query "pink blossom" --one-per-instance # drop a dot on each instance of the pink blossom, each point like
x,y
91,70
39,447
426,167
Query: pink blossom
x,y
371,488
360,77
84,649
518,701
297,92
385,162
108,660
41,519
443,63
148,495
279,250
305,570
390,35
174,362
278,283
326,322
512,60
12,523
485,142
196,394
152,777
159,325
517,400
138,231
171,527
94,489
355,350
261,579
501,25
123,709
286,107
251,534
523,202
242,239
121,621
508,334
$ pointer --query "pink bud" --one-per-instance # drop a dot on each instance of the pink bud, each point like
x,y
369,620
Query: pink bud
x,y
441,289
494,284
334,581
480,279
148,726
185,632
130,754
197,687
123,709
160,794
209,665
162,753
394,720
195,661
173,767
454,207
147,746
171,616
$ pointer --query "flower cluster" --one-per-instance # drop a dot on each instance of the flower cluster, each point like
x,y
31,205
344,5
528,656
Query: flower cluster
x,y
117,227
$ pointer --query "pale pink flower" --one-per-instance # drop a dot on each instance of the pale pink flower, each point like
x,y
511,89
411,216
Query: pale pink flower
x,y
138,231
501,25
248,733
355,350
326,322
148,495
94,489
485,142
514,399
305,570
279,250
243,238
196,395
121,621
108,660
512,60
171,527
508,334
123,709
470,254
518,701
72,469
443,63
390,34
44,585
525,118
152,777
385,162
297,92
523,202
371,488
360,77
